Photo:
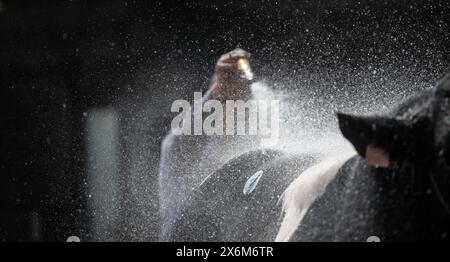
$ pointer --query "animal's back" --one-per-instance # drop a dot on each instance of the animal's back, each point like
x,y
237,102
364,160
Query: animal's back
x,y
219,210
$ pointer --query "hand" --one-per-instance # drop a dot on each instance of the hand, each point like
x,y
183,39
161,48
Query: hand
x,y
227,83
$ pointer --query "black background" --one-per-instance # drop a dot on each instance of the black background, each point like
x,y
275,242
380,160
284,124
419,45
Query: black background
x,y
59,59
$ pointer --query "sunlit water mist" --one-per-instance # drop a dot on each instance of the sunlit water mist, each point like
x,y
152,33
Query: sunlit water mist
x,y
302,129
309,102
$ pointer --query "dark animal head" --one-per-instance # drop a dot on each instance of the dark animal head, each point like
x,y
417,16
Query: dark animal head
x,y
416,133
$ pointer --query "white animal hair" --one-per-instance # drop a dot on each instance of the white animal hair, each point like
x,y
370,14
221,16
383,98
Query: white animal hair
x,y
301,193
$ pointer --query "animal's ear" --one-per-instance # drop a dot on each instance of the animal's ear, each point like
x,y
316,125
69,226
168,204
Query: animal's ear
x,y
378,139
443,87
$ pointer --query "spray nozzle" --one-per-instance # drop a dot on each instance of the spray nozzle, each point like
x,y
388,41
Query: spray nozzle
x,y
245,70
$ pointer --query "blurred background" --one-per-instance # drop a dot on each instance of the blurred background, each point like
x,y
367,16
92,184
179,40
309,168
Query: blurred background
x,y
86,89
